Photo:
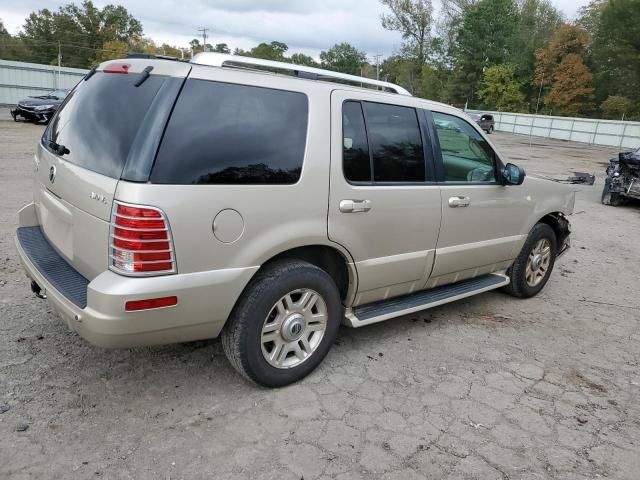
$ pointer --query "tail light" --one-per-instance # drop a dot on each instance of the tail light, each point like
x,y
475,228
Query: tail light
x,y
140,241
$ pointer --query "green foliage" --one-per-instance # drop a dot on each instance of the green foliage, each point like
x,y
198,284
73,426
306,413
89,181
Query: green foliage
x,y
500,90
537,21
413,19
302,59
222,48
589,16
616,51
615,106
486,30
270,51
344,58
82,30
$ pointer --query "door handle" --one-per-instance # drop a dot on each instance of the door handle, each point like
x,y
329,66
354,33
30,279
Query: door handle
x,y
355,206
456,202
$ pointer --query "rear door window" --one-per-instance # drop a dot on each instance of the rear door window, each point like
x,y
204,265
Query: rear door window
x,y
356,162
99,120
221,133
396,143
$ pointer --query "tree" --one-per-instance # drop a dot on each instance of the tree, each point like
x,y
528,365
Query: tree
x,y
616,51
270,51
562,73
571,89
500,90
343,58
482,41
589,16
537,21
413,19
80,32
617,106
11,47
222,48
111,50
302,59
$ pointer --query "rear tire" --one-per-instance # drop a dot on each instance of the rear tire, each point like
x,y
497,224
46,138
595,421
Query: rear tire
x,y
533,266
490,131
284,324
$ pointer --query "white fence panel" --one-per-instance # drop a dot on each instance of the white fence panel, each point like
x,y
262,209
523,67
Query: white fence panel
x,y
21,79
615,133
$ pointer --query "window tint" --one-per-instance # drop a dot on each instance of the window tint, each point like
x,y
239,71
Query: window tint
x,y
466,155
395,142
223,133
99,120
355,150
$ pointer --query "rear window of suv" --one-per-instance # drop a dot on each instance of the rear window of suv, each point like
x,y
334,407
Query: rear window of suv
x,y
221,133
99,120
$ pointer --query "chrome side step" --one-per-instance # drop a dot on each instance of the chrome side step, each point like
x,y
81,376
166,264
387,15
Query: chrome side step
x,y
414,302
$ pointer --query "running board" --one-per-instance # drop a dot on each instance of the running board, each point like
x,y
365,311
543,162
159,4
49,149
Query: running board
x,y
414,302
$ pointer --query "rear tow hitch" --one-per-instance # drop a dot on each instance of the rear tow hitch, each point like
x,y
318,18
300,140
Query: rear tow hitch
x,y
35,288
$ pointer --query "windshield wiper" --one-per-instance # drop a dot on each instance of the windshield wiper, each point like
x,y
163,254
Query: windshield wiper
x,y
58,148
145,74
90,74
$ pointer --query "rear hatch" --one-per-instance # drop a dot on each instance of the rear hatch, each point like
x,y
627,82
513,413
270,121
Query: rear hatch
x,y
110,124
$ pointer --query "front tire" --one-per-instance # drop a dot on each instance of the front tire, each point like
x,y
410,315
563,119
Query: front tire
x,y
284,324
533,266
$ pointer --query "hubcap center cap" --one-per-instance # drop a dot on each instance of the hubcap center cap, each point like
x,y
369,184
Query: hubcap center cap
x,y
536,263
293,327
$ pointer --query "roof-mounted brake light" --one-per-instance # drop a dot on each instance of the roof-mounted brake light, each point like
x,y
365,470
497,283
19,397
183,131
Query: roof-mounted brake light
x,y
117,67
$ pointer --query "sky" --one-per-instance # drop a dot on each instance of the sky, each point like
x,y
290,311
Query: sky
x,y
305,26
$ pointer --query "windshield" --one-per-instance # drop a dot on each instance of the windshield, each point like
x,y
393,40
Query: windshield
x,y
95,126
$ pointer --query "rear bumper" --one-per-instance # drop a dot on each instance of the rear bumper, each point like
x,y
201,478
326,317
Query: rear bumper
x,y
205,299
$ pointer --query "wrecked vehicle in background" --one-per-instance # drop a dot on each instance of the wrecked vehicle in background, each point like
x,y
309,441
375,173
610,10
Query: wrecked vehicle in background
x,y
39,108
623,179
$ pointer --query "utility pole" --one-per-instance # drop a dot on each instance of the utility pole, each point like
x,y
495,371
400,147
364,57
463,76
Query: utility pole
x,y
537,106
59,63
204,38
377,57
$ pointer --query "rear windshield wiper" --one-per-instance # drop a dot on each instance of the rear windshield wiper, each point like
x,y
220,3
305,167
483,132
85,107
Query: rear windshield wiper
x,y
90,74
145,74
58,148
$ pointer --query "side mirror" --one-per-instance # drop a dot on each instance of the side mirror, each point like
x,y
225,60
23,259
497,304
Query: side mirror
x,y
512,174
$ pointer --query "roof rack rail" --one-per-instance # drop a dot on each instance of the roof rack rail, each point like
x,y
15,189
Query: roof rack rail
x,y
302,71
153,56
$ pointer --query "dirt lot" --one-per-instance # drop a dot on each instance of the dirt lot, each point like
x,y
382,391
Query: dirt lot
x,y
490,387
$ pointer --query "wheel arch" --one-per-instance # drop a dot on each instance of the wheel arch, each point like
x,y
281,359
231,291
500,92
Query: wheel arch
x,y
331,258
560,225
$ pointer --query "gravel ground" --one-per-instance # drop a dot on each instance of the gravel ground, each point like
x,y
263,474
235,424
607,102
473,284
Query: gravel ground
x,y
489,387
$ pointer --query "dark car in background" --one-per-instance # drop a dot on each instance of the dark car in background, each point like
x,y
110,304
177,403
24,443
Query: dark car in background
x,y
39,108
485,121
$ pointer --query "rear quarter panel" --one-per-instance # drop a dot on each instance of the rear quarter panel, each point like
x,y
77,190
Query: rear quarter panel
x,y
275,217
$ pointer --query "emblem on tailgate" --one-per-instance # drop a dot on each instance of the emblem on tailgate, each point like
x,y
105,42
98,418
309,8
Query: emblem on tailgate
x,y
98,197
52,173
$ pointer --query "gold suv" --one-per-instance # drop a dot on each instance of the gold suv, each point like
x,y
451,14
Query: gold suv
x,y
179,201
